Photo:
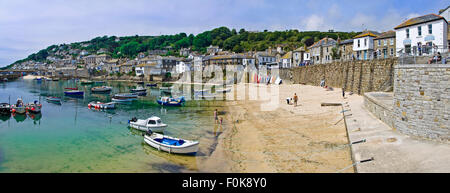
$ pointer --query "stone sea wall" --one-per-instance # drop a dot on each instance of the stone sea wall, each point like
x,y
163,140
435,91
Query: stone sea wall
x,y
355,76
421,100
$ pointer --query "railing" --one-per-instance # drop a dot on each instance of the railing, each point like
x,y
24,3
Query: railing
x,y
426,55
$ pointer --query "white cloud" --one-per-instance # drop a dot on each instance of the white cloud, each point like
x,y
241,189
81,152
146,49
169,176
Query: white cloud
x,y
315,22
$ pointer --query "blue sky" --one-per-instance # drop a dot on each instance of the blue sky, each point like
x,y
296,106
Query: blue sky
x,y
26,26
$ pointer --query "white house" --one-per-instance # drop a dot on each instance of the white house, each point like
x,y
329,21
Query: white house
x,y
363,45
445,13
424,35
262,58
183,66
286,60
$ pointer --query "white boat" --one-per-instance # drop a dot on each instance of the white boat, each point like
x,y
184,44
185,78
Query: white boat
x,y
138,90
100,105
101,89
126,96
153,124
223,90
171,144
123,100
165,88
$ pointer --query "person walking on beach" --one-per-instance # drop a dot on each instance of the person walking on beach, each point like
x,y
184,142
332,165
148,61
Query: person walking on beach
x,y
215,116
343,93
295,99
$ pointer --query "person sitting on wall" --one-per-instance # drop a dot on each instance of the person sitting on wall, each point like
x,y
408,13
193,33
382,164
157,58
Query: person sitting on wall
x,y
436,58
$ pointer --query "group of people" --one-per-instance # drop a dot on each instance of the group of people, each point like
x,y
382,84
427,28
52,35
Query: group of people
x,y
436,58
294,99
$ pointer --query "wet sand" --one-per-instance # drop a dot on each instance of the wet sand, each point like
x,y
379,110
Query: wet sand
x,y
279,137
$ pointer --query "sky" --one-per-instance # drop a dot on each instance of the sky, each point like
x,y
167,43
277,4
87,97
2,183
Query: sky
x,y
27,26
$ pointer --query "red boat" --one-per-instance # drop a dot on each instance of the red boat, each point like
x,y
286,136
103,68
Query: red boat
x,y
76,88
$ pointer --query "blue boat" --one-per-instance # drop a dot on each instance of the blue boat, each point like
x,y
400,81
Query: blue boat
x,y
74,93
152,85
168,101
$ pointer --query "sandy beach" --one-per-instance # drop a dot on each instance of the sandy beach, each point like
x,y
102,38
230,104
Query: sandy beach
x,y
281,137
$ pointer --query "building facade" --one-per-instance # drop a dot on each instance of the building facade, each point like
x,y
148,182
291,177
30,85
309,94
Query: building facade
x,y
424,35
363,47
384,45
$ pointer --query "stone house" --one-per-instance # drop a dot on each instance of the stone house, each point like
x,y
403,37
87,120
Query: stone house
x,y
321,50
185,51
145,69
384,45
263,58
213,49
346,50
102,58
298,56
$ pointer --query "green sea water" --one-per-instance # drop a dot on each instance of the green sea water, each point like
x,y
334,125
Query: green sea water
x,y
73,138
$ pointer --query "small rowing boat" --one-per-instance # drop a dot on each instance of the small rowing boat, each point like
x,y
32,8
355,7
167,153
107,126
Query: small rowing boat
x,y
101,89
138,90
100,105
126,96
85,82
74,93
152,85
168,101
53,100
152,123
122,100
171,144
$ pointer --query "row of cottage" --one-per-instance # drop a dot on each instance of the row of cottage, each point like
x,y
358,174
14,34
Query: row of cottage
x,y
424,35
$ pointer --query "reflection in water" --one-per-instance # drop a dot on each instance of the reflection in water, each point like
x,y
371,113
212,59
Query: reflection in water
x,y
189,162
5,117
19,117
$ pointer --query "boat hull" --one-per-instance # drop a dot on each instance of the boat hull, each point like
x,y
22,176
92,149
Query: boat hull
x,y
188,149
147,128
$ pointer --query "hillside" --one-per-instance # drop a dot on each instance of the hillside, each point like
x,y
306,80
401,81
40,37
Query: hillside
x,y
232,40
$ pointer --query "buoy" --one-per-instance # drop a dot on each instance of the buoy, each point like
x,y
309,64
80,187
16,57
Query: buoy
x,y
14,110
89,105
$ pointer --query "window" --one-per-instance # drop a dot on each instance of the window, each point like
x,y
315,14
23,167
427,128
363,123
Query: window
x,y
430,29
379,42
365,42
385,42
392,51
152,122
407,33
392,41
419,30
358,44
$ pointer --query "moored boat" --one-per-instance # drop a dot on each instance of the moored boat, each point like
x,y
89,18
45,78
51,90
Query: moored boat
x,y
101,89
74,93
152,123
5,108
138,90
125,95
69,88
85,82
171,144
34,107
53,100
122,100
168,101
223,90
19,107
152,85
100,105
139,82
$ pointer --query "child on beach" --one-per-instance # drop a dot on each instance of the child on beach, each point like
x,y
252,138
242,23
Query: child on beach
x,y
295,99
215,116
220,120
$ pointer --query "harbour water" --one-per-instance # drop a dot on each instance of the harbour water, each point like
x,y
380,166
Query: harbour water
x,y
73,138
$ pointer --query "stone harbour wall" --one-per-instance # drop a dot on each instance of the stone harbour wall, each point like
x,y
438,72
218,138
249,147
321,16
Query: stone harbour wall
x,y
356,76
421,100
380,105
